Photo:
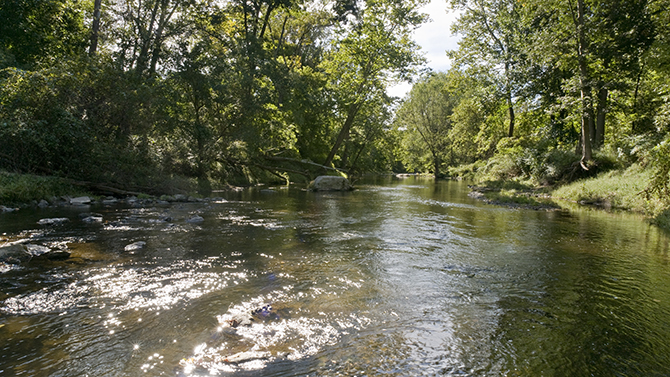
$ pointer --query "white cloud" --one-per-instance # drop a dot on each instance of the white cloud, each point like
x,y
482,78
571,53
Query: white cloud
x,y
435,39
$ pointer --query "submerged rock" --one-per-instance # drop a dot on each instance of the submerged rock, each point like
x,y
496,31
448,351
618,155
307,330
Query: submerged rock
x,y
20,253
247,318
331,183
37,250
242,357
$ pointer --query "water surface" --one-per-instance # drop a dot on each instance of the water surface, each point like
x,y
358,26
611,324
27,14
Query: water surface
x,y
398,278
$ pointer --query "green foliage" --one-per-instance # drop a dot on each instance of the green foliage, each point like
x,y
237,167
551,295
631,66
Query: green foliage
x,y
659,184
34,32
24,188
38,130
425,119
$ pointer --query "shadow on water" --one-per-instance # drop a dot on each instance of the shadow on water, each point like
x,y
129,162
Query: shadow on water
x,y
400,277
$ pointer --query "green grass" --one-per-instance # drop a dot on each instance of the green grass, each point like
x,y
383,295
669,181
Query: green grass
x,y
24,188
620,189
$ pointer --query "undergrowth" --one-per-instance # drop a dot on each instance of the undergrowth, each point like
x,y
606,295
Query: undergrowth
x,y
24,188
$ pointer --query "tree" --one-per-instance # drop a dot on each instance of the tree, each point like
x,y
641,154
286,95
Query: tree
x,y
373,50
492,37
426,111
35,31
601,42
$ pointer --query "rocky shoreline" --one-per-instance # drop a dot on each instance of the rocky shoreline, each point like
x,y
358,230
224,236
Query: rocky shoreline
x,y
21,251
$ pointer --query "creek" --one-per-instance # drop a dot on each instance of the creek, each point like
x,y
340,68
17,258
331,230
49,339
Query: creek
x,y
401,277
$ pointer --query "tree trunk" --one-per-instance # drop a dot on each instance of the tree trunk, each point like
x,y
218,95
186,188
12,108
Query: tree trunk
x,y
510,107
95,28
510,104
599,138
585,87
344,132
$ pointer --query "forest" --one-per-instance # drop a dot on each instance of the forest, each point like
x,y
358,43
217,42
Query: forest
x,y
165,95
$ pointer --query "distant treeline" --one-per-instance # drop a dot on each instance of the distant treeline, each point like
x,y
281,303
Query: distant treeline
x,y
136,93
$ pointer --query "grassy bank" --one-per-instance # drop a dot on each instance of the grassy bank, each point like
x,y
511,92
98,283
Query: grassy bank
x,y
16,189
619,189
624,189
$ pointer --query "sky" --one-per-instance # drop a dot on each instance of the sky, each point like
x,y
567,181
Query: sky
x,y
435,38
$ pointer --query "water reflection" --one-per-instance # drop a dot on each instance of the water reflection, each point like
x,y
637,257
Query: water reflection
x,y
397,278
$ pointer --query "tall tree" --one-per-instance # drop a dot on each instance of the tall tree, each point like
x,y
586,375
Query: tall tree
x,y
492,37
373,50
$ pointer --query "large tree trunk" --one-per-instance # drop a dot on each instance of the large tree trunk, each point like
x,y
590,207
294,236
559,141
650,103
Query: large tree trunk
x,y
95,28
510,104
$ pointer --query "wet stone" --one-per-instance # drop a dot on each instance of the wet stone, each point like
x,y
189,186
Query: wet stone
x,y
53,221
195,219
14,254
135,246
81,200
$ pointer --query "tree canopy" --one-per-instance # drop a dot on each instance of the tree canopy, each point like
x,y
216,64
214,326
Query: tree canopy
x,y
147,93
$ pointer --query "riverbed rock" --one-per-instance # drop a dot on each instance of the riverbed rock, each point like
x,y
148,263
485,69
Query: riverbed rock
x,y
37,250
40,253
14,254
43,204
242,357
92,219
135,246
195,219
110,200
330,183
80,201
4,209
53,221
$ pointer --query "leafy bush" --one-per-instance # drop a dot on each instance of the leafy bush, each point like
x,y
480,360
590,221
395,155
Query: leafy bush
x,y
23,188
37,131
660,161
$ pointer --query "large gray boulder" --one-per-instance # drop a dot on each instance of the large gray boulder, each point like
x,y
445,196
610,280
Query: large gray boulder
x,y
80,201
331,183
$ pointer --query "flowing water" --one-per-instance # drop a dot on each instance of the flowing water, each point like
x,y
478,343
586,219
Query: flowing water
x,y
398,278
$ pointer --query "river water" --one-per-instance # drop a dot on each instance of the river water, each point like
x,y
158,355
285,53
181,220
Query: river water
x,y
398,278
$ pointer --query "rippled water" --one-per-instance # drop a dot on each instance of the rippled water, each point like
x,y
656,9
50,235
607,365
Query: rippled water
x,y
399,278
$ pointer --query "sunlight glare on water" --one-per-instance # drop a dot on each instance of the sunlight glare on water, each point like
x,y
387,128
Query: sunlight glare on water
x,y
398,278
